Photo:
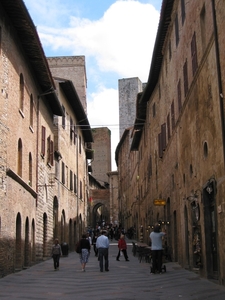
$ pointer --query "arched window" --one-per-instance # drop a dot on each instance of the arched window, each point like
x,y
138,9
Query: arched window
x,y
31,111
30,169
21,92
20,162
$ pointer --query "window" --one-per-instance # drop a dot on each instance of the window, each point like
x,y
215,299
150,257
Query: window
x,y
160,145
81,194
21,92
185,74
150,167
74,135
79,144
20,158
168,126
183,11
43,133
71,129
63,172
194,54
51,153
177,30
30,169
31,111
172,115
179,96
75,183
71,180
63,118
50,149
163,136
170,50
153,110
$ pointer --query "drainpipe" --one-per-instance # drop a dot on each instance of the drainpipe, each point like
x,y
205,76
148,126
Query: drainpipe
x,y
220,88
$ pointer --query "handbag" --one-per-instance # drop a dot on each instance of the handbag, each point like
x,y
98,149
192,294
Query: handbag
x,y
77,247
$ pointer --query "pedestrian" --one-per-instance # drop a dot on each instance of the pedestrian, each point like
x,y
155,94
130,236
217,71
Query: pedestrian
x,y
122,245
94,239
102,244
156,249
85,251
111,233
56,253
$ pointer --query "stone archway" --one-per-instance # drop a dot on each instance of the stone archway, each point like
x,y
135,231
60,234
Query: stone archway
x,y
100,214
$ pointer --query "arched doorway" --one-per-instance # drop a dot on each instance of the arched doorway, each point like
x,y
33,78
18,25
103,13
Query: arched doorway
x,y
100,215
186,236
45,228
18,256
26,246
33,251
175,239
63,219
70,233
55,217
211,229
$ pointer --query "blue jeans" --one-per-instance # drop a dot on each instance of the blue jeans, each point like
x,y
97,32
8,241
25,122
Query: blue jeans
x,y
103,253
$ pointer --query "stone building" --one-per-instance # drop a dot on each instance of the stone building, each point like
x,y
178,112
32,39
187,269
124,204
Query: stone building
x,y
27,92
71,68
45,147
177,165
72,148
101,163
128,90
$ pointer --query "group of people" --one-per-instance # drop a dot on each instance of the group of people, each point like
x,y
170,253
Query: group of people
x,y
101,249
100,244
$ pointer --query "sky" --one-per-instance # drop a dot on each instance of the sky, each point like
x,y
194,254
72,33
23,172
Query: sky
x,y
116,38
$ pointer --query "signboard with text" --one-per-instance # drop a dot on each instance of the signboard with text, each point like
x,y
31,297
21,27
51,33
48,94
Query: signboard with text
x,y
159,202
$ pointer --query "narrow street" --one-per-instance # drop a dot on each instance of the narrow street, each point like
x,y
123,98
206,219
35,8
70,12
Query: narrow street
x,y
125,280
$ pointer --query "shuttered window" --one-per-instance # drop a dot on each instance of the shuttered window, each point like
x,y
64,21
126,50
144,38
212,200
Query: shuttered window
x,y
173,115
168,126
43,134
194,54
179,96
185,74
63,172
160,145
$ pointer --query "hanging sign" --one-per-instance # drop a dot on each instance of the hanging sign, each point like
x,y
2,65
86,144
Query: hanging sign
x,y
160,202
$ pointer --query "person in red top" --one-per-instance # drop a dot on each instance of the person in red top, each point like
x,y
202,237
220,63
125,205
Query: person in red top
x,y
122,245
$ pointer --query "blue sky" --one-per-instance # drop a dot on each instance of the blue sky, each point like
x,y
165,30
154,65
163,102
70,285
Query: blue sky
x,y
116,38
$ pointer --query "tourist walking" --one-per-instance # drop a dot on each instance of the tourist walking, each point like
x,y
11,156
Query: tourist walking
x,y
102,244
156,248
56,253
122,245
85,247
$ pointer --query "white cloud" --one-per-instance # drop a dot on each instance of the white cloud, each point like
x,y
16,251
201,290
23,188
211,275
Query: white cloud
x,y
119,43
103,110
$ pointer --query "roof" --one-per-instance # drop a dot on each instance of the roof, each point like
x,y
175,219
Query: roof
x,y
33,51
74,100
156,63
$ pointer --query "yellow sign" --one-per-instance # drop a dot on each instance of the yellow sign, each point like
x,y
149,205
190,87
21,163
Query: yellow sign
x,y
160,202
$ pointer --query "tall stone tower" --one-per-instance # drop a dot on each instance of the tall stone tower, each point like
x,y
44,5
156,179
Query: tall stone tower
x,y
128,90
101,164
71,68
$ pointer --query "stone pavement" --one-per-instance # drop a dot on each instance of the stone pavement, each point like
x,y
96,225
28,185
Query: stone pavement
x,y
125,280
